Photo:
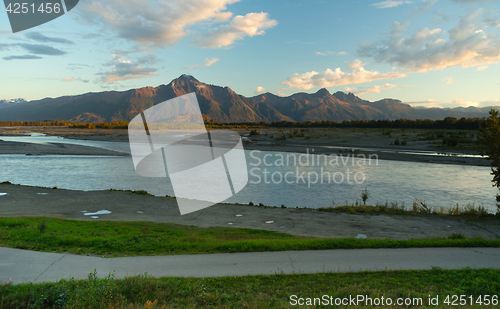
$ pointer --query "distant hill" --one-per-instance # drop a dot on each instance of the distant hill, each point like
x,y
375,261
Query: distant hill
x,y
223,105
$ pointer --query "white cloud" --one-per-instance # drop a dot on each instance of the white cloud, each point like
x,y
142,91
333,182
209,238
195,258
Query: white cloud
x,y
260,90
448,80
251,24
372,89
125,70
428,102
73,79
465,103
355,64
390,3
468,44
431,102
208,62
168,22
329,53
483,67
331,78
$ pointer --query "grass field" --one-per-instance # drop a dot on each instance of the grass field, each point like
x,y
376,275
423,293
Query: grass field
x,y
272,291
113,238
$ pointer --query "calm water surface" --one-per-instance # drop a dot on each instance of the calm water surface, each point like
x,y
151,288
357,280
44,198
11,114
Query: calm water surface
x,y
388,181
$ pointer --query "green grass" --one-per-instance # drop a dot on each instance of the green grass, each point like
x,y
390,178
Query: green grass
x,y
271,291
112,238
470,211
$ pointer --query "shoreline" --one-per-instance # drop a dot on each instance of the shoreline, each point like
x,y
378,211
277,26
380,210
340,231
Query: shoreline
x,y
25,201
32,149
358,144
380,154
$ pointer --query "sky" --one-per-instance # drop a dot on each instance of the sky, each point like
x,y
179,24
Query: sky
x,y
427,53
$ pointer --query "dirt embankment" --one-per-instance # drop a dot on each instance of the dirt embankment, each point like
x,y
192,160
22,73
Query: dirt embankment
x,y
127,206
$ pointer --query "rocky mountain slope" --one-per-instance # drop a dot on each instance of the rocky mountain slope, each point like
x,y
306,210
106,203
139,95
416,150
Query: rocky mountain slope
x,y
223,105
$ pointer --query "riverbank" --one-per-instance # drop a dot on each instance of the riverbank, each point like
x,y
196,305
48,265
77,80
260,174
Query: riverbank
x,y
31,149
22,201
361,143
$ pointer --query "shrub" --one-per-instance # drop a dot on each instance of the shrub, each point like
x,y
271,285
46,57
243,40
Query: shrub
x,y
282,137
42,226
365,195
386,132
449,141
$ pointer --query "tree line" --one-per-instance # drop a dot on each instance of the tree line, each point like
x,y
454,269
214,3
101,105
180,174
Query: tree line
x,y
66,123
448,123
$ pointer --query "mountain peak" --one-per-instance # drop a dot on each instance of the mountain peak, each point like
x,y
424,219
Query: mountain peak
x,y
222,104
14,101
322,93
350,97
187,77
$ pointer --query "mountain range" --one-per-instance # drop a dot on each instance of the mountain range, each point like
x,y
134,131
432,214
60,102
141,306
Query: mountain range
x,y
12,102
222,104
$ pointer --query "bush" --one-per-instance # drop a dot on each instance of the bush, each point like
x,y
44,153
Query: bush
x,y
42,226
282,137
449,141
387,132
365,195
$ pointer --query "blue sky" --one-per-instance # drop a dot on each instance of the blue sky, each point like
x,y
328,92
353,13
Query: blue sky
x,y
424,52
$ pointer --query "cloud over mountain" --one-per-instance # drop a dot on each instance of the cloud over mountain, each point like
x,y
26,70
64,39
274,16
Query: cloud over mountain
x,y
124,70
337,77
168,22
251,24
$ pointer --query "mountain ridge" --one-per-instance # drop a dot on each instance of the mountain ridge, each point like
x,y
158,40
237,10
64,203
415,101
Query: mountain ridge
x,y
222,104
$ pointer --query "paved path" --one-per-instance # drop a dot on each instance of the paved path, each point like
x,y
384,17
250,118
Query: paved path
x,y
29,266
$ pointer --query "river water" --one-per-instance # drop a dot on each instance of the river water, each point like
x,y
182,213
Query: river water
x,y
275,178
